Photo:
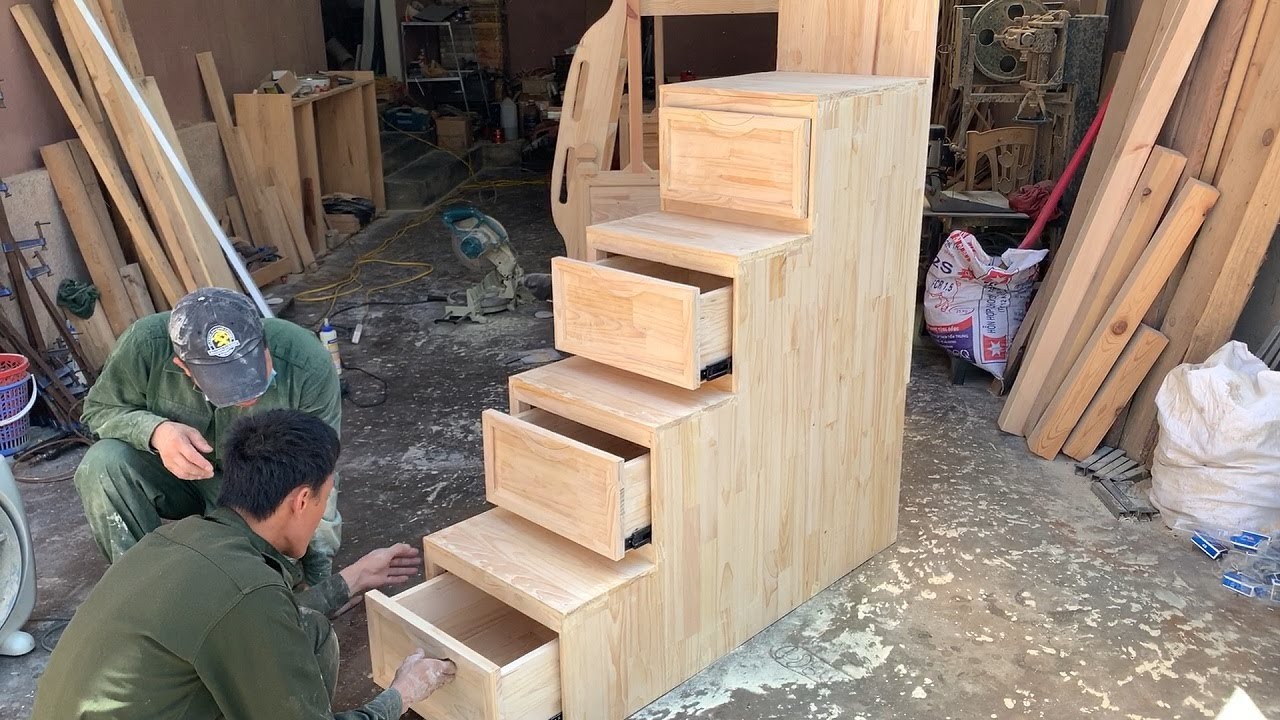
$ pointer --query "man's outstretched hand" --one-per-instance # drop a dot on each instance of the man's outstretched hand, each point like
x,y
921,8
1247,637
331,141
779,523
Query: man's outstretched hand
x,y
179,447
419,676
389,566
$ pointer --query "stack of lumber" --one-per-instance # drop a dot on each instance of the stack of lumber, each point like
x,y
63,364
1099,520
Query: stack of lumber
x,y
151,238
1174,217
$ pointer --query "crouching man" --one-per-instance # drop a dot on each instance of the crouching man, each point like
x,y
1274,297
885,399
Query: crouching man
x,y
199,620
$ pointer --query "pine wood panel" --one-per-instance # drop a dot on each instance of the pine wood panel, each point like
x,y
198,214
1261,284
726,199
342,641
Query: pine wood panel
x,y
734,161
651,319
1231,93
1171,56
689,242
1227,254
94,240
1123,380
1171,241
100,149
344,157
579,483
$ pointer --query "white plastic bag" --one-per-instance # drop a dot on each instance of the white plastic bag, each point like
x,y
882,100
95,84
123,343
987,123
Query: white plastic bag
x,y
974,304
1218,459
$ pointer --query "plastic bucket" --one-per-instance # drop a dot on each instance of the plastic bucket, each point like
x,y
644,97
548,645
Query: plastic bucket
x,y
16,401
12,367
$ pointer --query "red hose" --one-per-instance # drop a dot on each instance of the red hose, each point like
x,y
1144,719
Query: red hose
x,y
1063,182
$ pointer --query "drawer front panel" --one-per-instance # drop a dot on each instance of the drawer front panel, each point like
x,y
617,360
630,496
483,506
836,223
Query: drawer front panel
x,y
633,322
736,161
498,651
572,487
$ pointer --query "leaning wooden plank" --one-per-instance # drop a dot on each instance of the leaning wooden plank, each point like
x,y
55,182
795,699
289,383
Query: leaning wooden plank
x,y
1128,78
117,23
292,214
1227,251
89,176
148,247
1182,223
1137,225
1123,380
131,275
95,337
1235,84
278,232
1169,62
151,93
87,93
1202,93
239,225
233,146
1198,104
93,239
211,253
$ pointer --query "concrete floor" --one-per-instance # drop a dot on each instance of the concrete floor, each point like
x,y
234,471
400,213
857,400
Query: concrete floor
x,y
1011,591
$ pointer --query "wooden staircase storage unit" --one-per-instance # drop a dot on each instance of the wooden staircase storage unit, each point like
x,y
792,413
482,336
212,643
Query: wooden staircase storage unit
x,y
726,441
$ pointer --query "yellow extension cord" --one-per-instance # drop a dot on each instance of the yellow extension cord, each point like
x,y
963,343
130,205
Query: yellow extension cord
x,y
351,284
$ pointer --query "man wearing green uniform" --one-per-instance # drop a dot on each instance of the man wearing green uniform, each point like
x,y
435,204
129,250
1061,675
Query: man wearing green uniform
x,y
170,390
198,621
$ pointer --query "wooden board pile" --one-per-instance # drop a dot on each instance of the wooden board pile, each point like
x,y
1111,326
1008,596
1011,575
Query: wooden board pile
x,y
1186,159
152,237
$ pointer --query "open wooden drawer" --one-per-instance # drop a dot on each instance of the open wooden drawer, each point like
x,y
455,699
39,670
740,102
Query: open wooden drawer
x,y
663,322
508,665
578,482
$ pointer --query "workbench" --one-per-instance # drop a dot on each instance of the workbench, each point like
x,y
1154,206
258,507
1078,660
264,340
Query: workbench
x,y
311,146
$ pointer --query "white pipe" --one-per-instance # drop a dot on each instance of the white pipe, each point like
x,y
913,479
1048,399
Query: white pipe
x,y
170,156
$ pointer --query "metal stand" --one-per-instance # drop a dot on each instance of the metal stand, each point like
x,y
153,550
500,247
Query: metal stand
x,y
458,75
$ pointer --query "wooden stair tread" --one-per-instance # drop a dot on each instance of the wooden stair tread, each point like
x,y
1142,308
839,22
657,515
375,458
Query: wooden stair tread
x,y
690,242
530,568
611,400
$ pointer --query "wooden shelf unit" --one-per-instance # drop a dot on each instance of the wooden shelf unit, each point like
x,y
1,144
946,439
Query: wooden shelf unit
x,y
767,484
312,146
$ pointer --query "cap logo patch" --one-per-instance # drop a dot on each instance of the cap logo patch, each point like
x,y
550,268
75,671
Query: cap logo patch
x,y
221,342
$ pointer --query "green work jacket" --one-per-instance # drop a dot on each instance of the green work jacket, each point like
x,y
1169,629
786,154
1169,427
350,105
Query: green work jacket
x,y
197,622
140,387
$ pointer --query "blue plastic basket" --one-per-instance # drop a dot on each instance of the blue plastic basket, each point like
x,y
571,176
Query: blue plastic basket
x,y
16,401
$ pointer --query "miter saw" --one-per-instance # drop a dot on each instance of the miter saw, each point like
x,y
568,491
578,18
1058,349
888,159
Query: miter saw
x,y
17,568
481,242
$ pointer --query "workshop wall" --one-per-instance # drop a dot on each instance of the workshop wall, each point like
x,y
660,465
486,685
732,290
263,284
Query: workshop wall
x,y
707,45
248,38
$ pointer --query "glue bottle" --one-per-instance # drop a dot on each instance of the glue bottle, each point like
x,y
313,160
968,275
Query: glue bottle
x,y
329,337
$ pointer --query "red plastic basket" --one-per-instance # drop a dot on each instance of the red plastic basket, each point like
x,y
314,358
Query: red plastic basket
x,y
12,367
16,400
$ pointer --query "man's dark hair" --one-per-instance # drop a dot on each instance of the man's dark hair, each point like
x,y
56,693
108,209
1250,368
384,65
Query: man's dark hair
x,y
269,454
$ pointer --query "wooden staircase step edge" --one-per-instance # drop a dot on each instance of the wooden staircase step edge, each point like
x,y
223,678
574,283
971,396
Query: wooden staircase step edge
x,y
610,400
710,246
535,571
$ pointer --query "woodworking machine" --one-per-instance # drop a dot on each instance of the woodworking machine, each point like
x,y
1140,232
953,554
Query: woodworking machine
x,y
479,242
17,568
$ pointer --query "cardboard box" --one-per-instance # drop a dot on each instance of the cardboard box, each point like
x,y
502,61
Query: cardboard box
x,y
454,133
280,82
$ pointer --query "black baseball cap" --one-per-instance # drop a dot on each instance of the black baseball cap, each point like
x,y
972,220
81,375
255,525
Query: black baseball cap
x,y
218,334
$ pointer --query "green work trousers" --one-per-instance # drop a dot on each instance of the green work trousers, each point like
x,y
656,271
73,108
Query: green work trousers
x,y
325,642
127,493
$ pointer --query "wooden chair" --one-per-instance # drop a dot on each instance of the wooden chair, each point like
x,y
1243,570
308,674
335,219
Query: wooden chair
x,y
1010,153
